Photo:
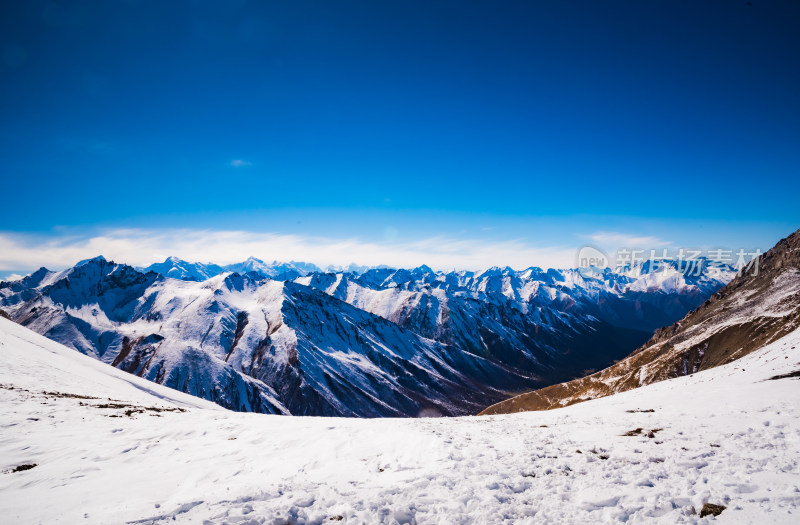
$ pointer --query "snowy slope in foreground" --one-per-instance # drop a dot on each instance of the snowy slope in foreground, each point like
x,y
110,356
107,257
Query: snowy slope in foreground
x,y
729,436
33,362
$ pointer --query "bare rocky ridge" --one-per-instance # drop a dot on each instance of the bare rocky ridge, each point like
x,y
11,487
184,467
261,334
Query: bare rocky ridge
x,y
748,313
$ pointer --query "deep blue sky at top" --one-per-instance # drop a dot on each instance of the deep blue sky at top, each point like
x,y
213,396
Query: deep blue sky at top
x,y
131,113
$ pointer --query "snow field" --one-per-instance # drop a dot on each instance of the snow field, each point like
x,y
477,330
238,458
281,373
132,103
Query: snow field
x,y
727,436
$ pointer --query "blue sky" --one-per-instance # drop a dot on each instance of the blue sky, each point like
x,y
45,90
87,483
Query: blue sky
x,y
381,126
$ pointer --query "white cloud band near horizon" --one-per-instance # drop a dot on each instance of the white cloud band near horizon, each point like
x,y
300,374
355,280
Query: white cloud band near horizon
x,y
623,240
25,252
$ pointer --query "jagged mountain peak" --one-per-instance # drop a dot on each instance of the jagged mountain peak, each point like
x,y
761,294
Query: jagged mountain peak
x,y
505,271
31,280
785,254
422,269
94,260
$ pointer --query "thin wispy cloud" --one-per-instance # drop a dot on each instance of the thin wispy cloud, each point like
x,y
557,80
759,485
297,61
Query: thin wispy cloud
x,y
141,247
624,240
239,163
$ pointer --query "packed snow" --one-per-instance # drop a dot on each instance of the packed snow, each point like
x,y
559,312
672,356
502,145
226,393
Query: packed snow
x,y
109,447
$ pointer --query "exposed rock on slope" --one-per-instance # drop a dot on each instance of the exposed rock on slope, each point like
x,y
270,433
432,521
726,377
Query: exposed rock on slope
x,y
750,312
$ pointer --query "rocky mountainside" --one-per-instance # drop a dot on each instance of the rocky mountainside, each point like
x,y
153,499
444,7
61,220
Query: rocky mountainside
x,y
753,310
383,343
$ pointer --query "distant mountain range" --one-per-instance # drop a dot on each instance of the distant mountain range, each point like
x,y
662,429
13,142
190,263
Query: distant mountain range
x,y
290,338
282,271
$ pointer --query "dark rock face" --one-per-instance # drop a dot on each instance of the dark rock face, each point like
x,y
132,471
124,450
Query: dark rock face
x,y
747,314
709,509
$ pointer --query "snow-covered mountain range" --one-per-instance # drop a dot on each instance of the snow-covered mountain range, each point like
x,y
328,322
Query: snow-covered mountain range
x,y
278,270
287,338
194,271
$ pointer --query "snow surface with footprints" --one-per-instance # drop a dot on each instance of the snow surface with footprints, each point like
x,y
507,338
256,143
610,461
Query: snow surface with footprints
x,y
109,447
